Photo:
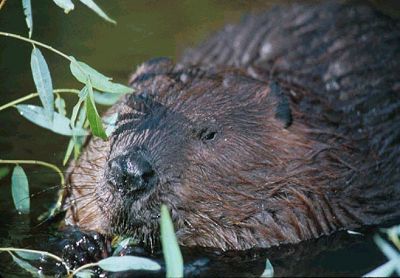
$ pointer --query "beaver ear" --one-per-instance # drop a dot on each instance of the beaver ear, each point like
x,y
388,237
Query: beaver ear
x,y
151,68
283,112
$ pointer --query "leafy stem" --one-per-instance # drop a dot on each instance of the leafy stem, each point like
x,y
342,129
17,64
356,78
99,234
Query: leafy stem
x,y
33,95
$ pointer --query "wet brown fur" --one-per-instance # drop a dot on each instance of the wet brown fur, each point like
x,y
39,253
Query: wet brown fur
x,y
263,181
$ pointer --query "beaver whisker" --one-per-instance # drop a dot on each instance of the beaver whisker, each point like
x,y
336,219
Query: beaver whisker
x,y
88,183
76,203
84,186
83,196
47,189
92,200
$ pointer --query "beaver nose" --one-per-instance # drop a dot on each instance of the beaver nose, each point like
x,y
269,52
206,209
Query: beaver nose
x,y
131,173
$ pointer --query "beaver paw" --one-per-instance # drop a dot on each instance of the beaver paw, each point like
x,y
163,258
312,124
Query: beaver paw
x,y
77,248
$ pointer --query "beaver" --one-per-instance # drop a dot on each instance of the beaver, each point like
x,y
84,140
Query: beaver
x,y
278,129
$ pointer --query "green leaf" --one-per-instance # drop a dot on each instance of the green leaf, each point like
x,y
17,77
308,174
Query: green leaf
x,y
393,234
172,254
394,229
85,273
110,123
4,172
60,105
93,116
20,190
27,266
78,143
42,79
66,5
388,250
268,271
93,6
125,263
68,153
123,244
26,4
75,142
81,117
79,140
30,256
106,98
82,96
60,124
384,270
82,72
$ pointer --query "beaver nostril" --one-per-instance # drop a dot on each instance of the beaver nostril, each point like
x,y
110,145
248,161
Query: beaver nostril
x,y
148,175
131,172
142,171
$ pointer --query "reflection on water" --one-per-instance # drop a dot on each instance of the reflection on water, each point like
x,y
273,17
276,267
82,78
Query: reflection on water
x,y
145,29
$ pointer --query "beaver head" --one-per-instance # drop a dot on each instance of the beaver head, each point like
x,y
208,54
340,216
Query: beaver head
x,y
219,149
236,160
202,142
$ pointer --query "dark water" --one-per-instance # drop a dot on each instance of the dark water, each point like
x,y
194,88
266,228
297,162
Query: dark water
x,y
145,29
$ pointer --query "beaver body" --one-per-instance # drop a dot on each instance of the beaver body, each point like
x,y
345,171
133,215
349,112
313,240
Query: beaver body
x,y
281,128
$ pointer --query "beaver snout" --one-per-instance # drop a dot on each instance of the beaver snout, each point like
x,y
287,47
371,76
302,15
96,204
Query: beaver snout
x,y
131,173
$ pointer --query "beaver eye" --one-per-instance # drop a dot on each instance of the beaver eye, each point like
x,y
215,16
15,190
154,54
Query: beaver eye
x,y
207,135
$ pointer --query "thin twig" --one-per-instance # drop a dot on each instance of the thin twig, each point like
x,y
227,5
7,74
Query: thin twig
x,y
36,162
33,95
15,36
83,267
